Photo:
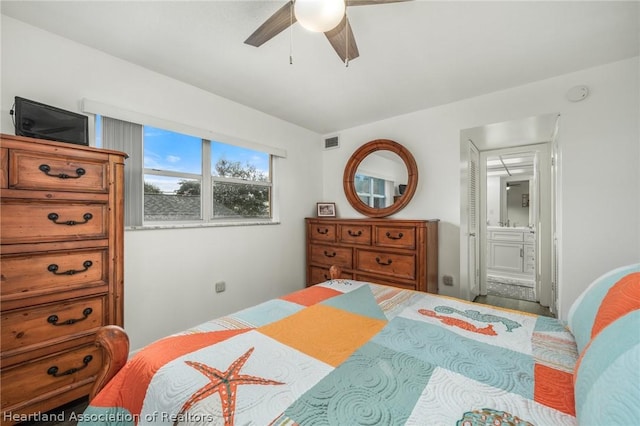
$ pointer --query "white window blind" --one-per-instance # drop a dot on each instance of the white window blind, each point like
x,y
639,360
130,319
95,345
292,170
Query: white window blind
x,y
127,137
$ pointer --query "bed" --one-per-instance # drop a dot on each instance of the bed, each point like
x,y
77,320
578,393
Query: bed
x,y
346,352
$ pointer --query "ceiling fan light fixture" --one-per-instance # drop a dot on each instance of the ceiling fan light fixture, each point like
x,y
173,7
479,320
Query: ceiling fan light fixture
x,y
319,15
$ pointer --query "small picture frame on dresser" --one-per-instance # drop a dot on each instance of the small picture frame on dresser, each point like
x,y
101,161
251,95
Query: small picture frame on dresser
x,y
326,209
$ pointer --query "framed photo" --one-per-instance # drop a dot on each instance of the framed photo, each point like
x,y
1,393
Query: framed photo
x,y
326,209
525,200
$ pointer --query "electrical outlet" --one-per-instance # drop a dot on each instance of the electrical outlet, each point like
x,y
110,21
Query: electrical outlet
x,y
220,286
447,280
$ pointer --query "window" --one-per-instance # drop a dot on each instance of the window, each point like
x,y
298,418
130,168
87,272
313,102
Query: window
x,y
187,179
172,175
371,190
236,183
240,182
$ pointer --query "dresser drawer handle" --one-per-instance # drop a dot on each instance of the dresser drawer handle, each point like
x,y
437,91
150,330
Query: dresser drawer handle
x,y
45,168
326,253
322,231
53,319
53,217
380,262
393,237
354,234
53,371
53,268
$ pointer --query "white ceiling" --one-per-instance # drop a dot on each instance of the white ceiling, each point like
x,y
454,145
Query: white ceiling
x,y
413,55
525,131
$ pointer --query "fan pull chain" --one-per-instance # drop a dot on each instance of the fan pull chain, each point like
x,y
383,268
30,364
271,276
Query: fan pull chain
x,y
346,37
291,32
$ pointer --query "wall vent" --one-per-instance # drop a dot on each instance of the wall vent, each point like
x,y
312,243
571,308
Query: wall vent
x,y
331,142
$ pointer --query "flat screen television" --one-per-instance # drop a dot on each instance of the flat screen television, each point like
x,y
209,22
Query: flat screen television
x,y
37,120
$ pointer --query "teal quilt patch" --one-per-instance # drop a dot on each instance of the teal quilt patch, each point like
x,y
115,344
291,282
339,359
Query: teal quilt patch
x,y
375,386
493,365
267,312
106,416
549,325
359,301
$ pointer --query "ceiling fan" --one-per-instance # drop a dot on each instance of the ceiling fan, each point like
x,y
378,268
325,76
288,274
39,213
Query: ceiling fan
x,y
338,29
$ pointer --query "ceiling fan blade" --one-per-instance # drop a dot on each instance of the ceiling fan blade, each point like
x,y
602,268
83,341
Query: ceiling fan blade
x,y
273,26
338,38
368,2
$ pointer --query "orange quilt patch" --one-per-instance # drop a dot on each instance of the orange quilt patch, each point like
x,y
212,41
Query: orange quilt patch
x,y
311,295
554,388
622,298
326,333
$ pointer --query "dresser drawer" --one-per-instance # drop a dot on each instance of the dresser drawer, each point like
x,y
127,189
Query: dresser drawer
x,y
355,234
395,236
529,267
328,255
323,232
57,373
510,236
4,168
23,222
38,325
32,274
30,170
320,275
391,264
529,251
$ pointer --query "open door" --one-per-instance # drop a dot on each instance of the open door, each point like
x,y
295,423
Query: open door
x,y
470,214
554,218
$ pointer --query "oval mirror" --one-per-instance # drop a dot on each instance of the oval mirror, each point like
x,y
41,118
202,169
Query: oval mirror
x,y
380,178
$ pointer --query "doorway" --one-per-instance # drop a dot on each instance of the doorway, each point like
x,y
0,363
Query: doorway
x,y
506,235
514,208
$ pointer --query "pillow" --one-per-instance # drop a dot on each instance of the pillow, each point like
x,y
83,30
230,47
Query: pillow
x,y
607,376
583,312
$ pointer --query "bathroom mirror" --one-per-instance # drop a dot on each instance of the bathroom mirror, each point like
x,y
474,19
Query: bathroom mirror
x,y
516,202
509,181
380,178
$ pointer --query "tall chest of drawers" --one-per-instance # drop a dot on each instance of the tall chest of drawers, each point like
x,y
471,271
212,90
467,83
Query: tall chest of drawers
x,y
401,253
61,234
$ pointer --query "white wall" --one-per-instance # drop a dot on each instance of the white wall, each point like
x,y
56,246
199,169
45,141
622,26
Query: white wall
x,y
170,274
599,144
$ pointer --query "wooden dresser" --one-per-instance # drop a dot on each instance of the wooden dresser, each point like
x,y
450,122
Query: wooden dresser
x,y
401,253
61,268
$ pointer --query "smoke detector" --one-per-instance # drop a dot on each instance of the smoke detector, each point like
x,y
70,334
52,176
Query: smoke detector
x,y
577,93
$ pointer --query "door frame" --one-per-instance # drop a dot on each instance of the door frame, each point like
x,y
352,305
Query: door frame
x,y
526,131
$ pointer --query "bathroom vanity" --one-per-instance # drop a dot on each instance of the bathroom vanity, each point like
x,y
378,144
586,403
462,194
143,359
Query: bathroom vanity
x,y
511,254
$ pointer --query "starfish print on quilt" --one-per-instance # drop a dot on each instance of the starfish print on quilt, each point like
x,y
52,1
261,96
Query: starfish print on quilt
x,y
225,383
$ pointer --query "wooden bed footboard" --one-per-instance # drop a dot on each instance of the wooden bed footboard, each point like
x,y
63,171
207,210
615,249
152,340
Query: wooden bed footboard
x,y
115,349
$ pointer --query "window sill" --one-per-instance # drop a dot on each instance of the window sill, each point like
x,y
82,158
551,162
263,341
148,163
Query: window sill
x,y
176,225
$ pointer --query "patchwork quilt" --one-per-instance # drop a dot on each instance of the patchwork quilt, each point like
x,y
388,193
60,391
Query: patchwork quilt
x,y
351,353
